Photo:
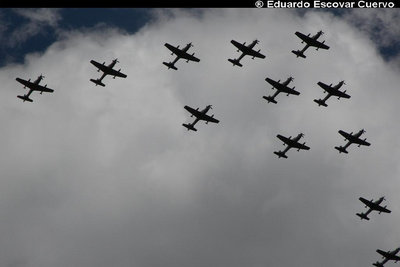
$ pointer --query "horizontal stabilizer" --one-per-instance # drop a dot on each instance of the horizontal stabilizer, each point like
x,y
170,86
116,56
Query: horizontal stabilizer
x,y
235,62
25,98
320,102
362,216
341,149
377,264
280,154
189,127
97,82
298,53
270,99
170,65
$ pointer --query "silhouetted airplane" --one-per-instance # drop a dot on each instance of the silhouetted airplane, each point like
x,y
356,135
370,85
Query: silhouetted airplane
x,y
387,256
107,70
200,115
310,41
246,50
372,205
290,143
280,88
332,91
352,138
180,53
33,86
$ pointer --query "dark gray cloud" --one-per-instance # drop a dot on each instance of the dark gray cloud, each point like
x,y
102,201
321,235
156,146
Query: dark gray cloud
x,y
109,177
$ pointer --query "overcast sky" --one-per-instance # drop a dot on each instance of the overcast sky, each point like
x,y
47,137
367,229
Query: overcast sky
x,y
99,177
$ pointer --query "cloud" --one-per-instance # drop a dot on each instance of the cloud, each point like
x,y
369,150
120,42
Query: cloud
x,y
108,176
38,21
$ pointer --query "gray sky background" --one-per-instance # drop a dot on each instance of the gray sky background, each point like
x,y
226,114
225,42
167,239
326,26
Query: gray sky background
x,y
108,176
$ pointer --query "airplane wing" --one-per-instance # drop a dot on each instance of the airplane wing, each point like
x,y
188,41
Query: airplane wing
x,y
332,91
189,57
325,87
275,84
209,118
193,111
254,53
383,253
310,41
320,45
181,53
117,73
101,67
301,146
24,82
362,142
284,139
365,201
200,115
33,86
238,45
282,88
388,255
382,209
345,135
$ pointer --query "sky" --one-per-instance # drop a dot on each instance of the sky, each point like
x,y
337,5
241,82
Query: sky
x,y
107,176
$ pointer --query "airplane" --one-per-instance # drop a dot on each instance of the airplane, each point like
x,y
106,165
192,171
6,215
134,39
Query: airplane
x,y
332,91
33,86
107,70
310,41
280,87
246,50
290,142
372,205
352,138
387,256
180,53
200,115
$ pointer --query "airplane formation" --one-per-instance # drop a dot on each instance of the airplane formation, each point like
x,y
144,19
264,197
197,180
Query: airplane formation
x,y
281,87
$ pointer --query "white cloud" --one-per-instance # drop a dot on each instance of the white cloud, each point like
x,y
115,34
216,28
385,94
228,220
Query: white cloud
x,y
108,176
39,19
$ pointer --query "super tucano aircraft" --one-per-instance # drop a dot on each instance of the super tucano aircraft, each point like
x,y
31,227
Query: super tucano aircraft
x,y
180,53
107,70
290,142
310,41
352,138
372,205
246,50
280,88
332,91
387,256
33,86
200,115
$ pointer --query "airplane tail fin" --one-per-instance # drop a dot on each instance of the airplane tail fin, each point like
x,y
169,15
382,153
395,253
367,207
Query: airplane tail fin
x,y
97,82
170,65
341,149
270,99
280,154
25,98
235,62
298,53
320,102
362,216
189,127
